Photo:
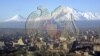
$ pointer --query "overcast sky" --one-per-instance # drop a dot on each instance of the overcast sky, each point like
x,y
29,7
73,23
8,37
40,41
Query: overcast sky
x,y
9,8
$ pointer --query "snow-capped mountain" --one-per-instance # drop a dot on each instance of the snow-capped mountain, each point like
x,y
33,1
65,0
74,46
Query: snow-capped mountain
x,y
16,21
77,15
82,19
86,19
16,18
64,13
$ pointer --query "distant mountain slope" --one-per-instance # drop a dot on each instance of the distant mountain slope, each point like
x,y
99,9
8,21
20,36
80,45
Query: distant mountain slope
x,y
16,18
78,15
83,19
16,21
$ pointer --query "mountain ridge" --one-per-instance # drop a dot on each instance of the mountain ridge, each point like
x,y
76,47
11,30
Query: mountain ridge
x,y
82,18
78,15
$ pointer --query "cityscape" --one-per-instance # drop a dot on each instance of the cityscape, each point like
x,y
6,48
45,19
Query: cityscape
x,y
19,43
49,28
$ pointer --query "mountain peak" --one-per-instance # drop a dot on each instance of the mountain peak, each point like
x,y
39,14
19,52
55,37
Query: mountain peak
x,y
65,9
16,18
78,15
62,10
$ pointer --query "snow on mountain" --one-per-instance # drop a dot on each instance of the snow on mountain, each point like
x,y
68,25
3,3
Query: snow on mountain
x,y
16,21
77,15
16,18
65,13
62,13
85,19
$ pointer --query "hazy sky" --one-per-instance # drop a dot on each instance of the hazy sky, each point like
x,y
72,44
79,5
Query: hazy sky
x,y
9,8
